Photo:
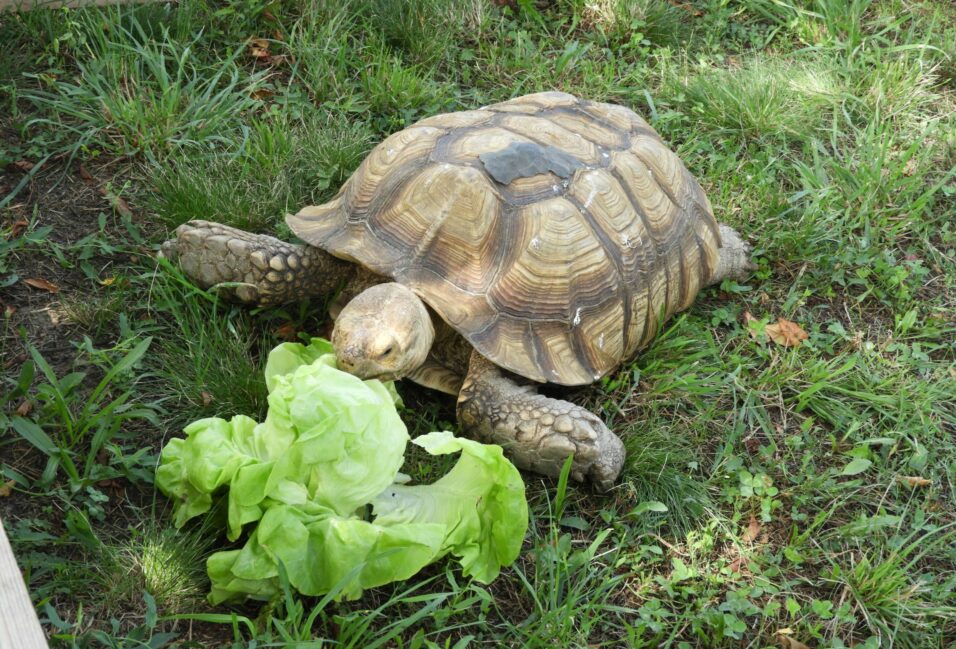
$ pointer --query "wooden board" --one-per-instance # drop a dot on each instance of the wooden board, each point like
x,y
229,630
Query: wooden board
x,y
19,626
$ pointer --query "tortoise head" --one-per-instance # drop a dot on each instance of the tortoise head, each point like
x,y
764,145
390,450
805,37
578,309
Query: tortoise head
x,y
384,332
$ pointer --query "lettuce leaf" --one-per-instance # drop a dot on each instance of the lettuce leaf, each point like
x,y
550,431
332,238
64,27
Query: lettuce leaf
x,y
480,501
332,444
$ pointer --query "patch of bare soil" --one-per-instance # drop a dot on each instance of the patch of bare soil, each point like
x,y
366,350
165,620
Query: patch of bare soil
x,y
64,202
60,199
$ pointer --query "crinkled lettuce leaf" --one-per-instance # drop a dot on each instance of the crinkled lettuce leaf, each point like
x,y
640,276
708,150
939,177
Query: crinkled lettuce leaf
x,y
349,441
481,503
288,357
332,444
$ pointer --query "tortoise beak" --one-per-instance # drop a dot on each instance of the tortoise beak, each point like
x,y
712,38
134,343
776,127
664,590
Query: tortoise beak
x,y
353,359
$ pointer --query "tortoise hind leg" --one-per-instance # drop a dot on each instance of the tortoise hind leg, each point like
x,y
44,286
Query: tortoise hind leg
x,y
733,259
269,271
538,433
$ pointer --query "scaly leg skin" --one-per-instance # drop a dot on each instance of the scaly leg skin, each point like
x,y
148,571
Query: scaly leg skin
x,y
538,433
269,271
734,257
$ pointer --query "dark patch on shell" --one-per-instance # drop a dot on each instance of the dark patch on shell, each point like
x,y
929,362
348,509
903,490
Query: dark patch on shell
x,y
525,159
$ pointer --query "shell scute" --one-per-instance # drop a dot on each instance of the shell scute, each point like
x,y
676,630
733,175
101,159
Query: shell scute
x,y
545,131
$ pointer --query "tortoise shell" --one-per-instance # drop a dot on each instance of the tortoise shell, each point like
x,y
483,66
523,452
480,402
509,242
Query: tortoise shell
x,y
555,234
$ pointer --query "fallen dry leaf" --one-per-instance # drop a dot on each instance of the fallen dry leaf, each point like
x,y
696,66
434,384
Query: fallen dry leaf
x,y
259,48
86,175
680,5
752,532
16,360
18,226
37,282
206,398
285,331
119,204
6,488
736,565
787,642
752,444
748,318
914,480
786,333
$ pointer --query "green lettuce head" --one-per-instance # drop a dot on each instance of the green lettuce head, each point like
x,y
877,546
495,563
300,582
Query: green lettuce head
x,y
329,451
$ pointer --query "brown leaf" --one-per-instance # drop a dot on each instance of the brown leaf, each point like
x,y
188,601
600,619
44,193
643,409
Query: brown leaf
x,y
6,488
748,318
22,165
914,480
752,532
787,642
37,282
18,226
86,175
119,204
206,398
285,331
24,408
261,94
16,360
786,333
752,444
259,48
688,8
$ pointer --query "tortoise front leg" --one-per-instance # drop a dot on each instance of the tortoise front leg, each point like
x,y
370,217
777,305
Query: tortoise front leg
x,y
269,271
538,433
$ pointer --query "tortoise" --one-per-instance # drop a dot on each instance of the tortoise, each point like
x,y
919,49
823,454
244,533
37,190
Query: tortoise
x,y
539,240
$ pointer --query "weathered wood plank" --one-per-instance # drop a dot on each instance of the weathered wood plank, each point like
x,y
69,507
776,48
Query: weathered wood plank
x,y
19,626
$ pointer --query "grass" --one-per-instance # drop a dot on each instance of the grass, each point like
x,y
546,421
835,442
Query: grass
x,y
795,496
282,166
